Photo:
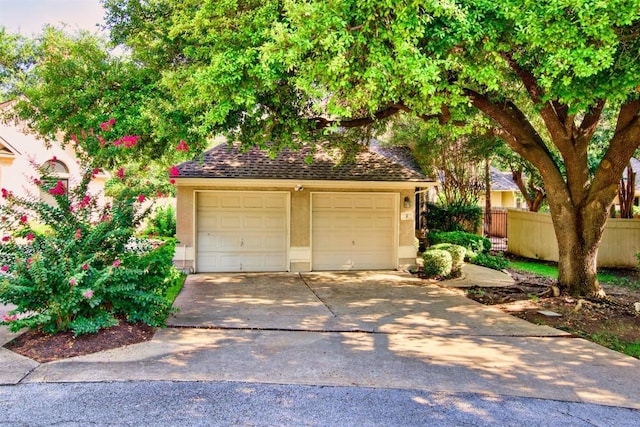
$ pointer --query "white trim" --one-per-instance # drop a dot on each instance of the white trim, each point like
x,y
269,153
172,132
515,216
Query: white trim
x,y
195,221
292,183
300,254
407,252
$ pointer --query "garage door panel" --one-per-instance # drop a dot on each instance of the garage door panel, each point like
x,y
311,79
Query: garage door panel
x,y
353,231
242,232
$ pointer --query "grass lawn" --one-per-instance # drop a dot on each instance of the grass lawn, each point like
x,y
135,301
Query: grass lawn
x,y
548,269
175,289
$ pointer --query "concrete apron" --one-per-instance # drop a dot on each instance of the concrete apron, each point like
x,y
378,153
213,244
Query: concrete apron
x,y
372,329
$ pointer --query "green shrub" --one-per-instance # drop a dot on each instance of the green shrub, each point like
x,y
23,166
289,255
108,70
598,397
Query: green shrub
x,y
437,263
162,223
455,217
457,253
71,263
496,262
472,242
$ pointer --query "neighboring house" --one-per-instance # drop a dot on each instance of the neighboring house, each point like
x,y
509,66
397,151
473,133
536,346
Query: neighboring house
x,y
504,191
247,212
18,150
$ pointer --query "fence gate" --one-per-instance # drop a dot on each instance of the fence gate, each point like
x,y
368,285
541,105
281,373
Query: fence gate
x,y
495,228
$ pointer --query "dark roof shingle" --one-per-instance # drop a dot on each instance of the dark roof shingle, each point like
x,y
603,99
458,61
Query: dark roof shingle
x,y
224,162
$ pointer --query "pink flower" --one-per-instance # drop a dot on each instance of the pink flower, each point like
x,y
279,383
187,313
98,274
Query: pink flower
x,y
141,198
9,318
23,219
29,261
84,202
182,146
116,263
85,267
5,268
36,181
74,138
120,173
87,294
59,189
172,181
78,234
72,281
84,134
102,140
5,193
128,141
105,126
6,238
30,236
53,159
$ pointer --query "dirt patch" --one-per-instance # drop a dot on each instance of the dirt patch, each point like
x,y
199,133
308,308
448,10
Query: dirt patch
x,y
43,347
614,319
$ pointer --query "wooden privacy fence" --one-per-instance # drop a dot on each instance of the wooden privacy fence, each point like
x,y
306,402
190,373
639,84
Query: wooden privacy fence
x,y
531,235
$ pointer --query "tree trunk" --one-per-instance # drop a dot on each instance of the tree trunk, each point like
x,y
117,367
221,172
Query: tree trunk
x,y
626,193
533,195
488,216
578,235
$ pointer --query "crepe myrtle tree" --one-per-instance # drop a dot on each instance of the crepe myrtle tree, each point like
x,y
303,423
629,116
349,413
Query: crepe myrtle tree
x,y
71,262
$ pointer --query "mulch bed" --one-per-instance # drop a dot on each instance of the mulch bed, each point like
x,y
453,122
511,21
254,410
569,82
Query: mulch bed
x,y
43,347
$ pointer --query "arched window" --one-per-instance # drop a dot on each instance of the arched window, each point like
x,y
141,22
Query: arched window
x,y
59,169
59,172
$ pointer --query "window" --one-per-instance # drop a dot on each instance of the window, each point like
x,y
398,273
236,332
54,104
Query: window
x,y
59,173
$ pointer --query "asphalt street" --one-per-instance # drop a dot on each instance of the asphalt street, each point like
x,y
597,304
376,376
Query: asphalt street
x,y
163,403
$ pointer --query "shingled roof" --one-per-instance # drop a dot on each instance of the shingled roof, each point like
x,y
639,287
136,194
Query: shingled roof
x,y
223,161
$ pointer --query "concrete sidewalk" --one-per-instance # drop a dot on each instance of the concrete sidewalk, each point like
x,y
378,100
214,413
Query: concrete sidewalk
x,y
367,329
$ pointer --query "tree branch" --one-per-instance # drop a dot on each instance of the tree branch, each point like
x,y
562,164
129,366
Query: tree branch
x,y
322,123
443,117
591,119
554,114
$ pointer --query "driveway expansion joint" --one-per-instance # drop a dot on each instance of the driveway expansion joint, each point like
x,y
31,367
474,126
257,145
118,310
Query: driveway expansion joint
x,y
317,296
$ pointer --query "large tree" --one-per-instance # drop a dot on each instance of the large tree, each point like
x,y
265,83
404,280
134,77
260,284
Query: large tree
x,y
564,60
275,73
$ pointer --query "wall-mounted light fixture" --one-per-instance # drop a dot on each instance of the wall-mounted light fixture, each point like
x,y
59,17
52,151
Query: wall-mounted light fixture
x,y
299,187
407,202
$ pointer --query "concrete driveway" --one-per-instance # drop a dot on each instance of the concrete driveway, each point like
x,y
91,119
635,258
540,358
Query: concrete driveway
x,y
367,329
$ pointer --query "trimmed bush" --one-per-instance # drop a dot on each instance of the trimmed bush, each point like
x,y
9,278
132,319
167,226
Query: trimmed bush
x,y
472,242
494,262
437,263
454,217
457,253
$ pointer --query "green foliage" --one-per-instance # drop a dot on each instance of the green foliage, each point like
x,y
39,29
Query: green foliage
x,y
455,217
495,262
437,263
457,253
83,268
172,292
473,243
614,342
162,222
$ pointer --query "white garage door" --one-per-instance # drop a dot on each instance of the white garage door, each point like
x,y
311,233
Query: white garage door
x,y
353,231
242,231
